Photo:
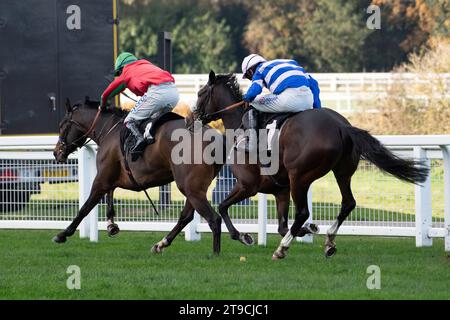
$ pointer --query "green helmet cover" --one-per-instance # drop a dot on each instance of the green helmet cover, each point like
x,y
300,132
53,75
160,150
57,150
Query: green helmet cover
x,y
123,59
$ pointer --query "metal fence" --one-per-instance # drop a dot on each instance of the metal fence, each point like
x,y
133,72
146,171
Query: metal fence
x,y
38,193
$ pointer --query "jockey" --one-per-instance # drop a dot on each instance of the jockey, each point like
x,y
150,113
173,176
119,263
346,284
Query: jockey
x,y
155,86
291,88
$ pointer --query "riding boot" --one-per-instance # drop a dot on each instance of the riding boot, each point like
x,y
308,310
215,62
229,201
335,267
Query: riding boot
x,y
138,147
250,126
149,139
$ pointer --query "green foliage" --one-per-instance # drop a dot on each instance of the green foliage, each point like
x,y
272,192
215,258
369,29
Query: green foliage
x,y
200,41
275,29
202,44
334,35
323,35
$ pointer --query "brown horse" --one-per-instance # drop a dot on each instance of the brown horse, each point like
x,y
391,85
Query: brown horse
x,y
311,144
154,168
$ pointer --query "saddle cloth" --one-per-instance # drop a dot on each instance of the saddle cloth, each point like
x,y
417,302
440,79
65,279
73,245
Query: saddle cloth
x,y
273,122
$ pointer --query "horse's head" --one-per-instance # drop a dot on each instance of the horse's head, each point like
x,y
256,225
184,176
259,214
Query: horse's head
x,y
71,132
219,92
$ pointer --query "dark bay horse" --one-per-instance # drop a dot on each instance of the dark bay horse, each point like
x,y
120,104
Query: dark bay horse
x,y
154,168
311,144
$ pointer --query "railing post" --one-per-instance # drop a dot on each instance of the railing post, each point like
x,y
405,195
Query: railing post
x,y
309,237
86,174
423,204
446,156
190,231
262,219
93,216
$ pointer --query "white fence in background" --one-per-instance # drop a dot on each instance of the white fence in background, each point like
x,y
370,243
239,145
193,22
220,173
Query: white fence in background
x,y
343,92
37,193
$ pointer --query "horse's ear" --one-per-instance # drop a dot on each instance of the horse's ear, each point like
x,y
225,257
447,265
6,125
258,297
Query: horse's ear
x,y
68,105
212,77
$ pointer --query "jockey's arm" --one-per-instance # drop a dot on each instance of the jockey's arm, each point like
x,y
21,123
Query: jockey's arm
x,y
255,89
115,87
314,86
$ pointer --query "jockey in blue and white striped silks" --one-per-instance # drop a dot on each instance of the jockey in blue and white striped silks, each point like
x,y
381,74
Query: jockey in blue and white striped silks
x,y
292,89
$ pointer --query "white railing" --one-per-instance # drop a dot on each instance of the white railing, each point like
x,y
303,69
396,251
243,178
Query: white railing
x,y
387,208
344,92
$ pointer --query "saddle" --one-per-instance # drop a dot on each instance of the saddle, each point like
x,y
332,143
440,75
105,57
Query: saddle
x,y
266,119
127,140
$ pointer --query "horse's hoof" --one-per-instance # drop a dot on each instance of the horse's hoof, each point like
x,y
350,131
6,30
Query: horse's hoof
x,y
59,239
309,228
314,228
157,249
279,253
278,256
113,229
246,239
330,251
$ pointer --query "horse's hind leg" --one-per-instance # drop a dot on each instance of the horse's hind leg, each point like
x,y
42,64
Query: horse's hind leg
x,y
97,192
283,200
186,216
238,193
112,227
343,178
299,193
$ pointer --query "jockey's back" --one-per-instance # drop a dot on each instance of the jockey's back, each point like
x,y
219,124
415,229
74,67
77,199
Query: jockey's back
x,y
279,75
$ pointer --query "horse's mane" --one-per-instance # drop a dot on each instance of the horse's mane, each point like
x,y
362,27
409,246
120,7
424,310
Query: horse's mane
x,y
231,82
93,104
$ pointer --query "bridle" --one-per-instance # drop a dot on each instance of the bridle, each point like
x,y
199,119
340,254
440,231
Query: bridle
x,y
208,117
88,132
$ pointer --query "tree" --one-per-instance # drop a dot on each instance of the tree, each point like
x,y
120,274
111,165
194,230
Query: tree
x,y
324,35
275,28
200,39
334,35
407,27
203,44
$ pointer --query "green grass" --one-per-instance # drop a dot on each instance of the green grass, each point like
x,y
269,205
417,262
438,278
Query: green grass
x,y
32,267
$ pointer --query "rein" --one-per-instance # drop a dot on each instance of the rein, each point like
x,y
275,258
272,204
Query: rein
x,y
86,135
216,115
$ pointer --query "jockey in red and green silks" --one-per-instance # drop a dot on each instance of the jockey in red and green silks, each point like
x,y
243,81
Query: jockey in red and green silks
x,y
155,86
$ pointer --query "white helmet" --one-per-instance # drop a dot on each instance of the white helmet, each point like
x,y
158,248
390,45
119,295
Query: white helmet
x,y
250,61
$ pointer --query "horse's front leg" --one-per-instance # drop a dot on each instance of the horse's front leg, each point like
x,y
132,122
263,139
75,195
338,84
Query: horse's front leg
x,y
97,192
111,227
236,195
186,216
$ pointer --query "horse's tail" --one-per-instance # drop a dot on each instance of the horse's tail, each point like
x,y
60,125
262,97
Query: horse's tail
x,y
369,148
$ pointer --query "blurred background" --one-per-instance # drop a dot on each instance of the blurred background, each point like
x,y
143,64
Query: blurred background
x,y
400,81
